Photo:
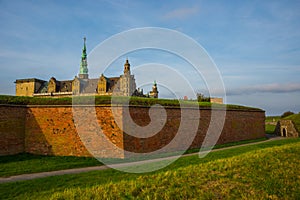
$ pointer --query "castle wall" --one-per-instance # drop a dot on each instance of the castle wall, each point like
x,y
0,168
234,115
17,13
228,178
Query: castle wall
x,y
239,125
25,88
52,130
12,129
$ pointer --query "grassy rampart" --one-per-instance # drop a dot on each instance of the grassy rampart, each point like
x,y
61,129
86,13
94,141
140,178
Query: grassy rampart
x,y
107,100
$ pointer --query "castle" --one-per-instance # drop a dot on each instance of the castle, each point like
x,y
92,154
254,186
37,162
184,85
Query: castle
x,y
124,85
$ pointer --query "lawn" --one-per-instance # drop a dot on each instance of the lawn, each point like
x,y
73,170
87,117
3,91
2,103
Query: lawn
x,y
28,163
270,128
261,171
272,118
296,120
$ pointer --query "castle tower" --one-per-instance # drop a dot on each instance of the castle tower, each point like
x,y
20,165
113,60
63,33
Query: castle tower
x,y
127,81
127,67
154,92
83,72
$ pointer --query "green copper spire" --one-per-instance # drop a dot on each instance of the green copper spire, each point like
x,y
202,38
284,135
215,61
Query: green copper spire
x,y
83,72
84,49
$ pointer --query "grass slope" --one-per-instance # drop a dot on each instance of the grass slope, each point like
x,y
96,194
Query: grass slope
x,y
269,126
272,118
296,120
269,173
266,170
107,100
28,163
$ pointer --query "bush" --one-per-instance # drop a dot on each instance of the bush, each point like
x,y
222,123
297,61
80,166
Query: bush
x,y
202,98
288,113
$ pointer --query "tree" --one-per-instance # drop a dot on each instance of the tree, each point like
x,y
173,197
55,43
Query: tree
x,y
288,113
202,98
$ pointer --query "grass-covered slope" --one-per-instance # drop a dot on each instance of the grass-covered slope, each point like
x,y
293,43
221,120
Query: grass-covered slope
x,y
270,128
107,100
268,170
296,120
264,174
27,163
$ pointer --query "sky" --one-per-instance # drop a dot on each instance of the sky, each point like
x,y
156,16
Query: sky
x,y
254,44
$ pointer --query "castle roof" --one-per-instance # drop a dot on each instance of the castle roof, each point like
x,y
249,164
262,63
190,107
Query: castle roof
x,y
29,80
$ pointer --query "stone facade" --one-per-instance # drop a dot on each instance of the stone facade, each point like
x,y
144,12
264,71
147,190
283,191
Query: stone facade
x,y
216,100
52,130
27,87
124,85
154,92
286,128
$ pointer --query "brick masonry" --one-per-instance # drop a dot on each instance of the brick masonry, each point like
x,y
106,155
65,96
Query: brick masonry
x,y
56,130
12,129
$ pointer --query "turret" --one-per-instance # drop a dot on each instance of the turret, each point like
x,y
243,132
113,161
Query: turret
x,y
154,92
127,67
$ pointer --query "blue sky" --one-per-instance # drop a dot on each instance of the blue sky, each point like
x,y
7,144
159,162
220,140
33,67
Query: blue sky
x,y
255,44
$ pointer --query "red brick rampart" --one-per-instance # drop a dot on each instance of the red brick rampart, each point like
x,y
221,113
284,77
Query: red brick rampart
x,y
53,130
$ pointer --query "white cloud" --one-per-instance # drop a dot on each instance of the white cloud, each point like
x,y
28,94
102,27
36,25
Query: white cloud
x,y
266,88
181,13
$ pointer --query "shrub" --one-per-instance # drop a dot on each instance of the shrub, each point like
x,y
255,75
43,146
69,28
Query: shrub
x,y
288,113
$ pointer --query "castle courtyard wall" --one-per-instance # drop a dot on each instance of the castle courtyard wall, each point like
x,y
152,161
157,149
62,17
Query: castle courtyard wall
x,y
52,130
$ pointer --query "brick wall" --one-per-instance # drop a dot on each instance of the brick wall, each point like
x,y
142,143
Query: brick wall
x,y
239,125
12,129
54,130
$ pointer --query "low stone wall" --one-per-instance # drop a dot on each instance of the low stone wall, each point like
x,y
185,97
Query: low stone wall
x,y
54,130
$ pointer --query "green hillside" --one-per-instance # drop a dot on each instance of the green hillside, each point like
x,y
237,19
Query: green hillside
x,y
268,170
258,175
270,127
296,120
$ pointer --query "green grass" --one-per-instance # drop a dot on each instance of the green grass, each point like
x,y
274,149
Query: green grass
x,y
28,163
272,118
269,128
245,176
296,120
106,100
267,170
230,144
